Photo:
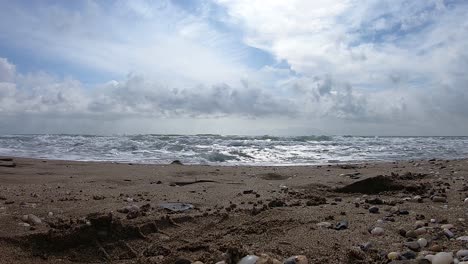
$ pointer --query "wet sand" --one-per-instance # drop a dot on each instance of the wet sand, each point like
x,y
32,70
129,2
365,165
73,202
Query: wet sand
x,y
94,212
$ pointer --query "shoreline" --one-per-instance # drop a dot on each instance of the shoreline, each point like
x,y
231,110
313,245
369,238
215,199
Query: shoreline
x,y
255,209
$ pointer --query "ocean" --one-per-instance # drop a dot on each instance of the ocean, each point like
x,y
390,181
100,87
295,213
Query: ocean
x,y
232,150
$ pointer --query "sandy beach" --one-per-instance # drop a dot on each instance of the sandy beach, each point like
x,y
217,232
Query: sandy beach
x,y
88,212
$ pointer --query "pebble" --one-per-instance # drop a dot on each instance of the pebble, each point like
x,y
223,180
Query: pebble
x,y
448,233
446,226
300,259
420,231
439,199
422,242
466,201
433,221
197,262
413,245
377,231
411,234
393,255
442,258
31,219
408,255
463,238
435,248
462,253
419,224
249,259
374,210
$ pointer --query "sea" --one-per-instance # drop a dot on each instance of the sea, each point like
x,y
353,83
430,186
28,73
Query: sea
x,y
232,149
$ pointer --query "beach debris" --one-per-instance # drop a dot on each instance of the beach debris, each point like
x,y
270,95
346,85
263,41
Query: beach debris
x,y
176,207
342,225
377,231
300,259
31,219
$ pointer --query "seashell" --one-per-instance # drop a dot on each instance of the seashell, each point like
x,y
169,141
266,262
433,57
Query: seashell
x,y
300,259
377,231
443,258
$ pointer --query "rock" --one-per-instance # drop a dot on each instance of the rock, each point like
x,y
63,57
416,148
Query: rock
x,y
300,259
31,219
177,162
408,255
435,248
366,246
413,245
198,262
249,259
341,225
463,238
374,210
446,226
448,233
419,224
377,231
393,255
443,258
420,231
183,261
439,199
411,234
265,259
422,242
463,253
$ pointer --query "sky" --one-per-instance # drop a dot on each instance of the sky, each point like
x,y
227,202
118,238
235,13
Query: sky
x,y
296,67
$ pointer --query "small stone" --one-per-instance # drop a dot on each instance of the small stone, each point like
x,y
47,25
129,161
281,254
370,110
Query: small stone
x,y
420,231
377,231
393,255
446,226
419,224
374,210
463,253
31,219
197,262
413,245
435,248
408,255
422,242
300,259
448,233
433,221
439,199
443,258
411,234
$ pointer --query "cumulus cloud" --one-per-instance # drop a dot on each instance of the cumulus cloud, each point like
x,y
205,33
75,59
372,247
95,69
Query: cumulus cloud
x,y
342,66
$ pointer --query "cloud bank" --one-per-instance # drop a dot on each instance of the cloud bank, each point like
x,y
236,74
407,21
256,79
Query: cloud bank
x,y
341,66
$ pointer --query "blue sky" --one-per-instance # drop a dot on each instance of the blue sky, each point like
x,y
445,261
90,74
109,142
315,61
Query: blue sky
x,y
221,66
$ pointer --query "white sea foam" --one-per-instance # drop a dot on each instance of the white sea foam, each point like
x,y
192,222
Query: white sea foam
x,y
230,150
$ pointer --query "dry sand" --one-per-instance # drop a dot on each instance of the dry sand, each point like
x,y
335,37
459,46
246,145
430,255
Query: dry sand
x,y
237,209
